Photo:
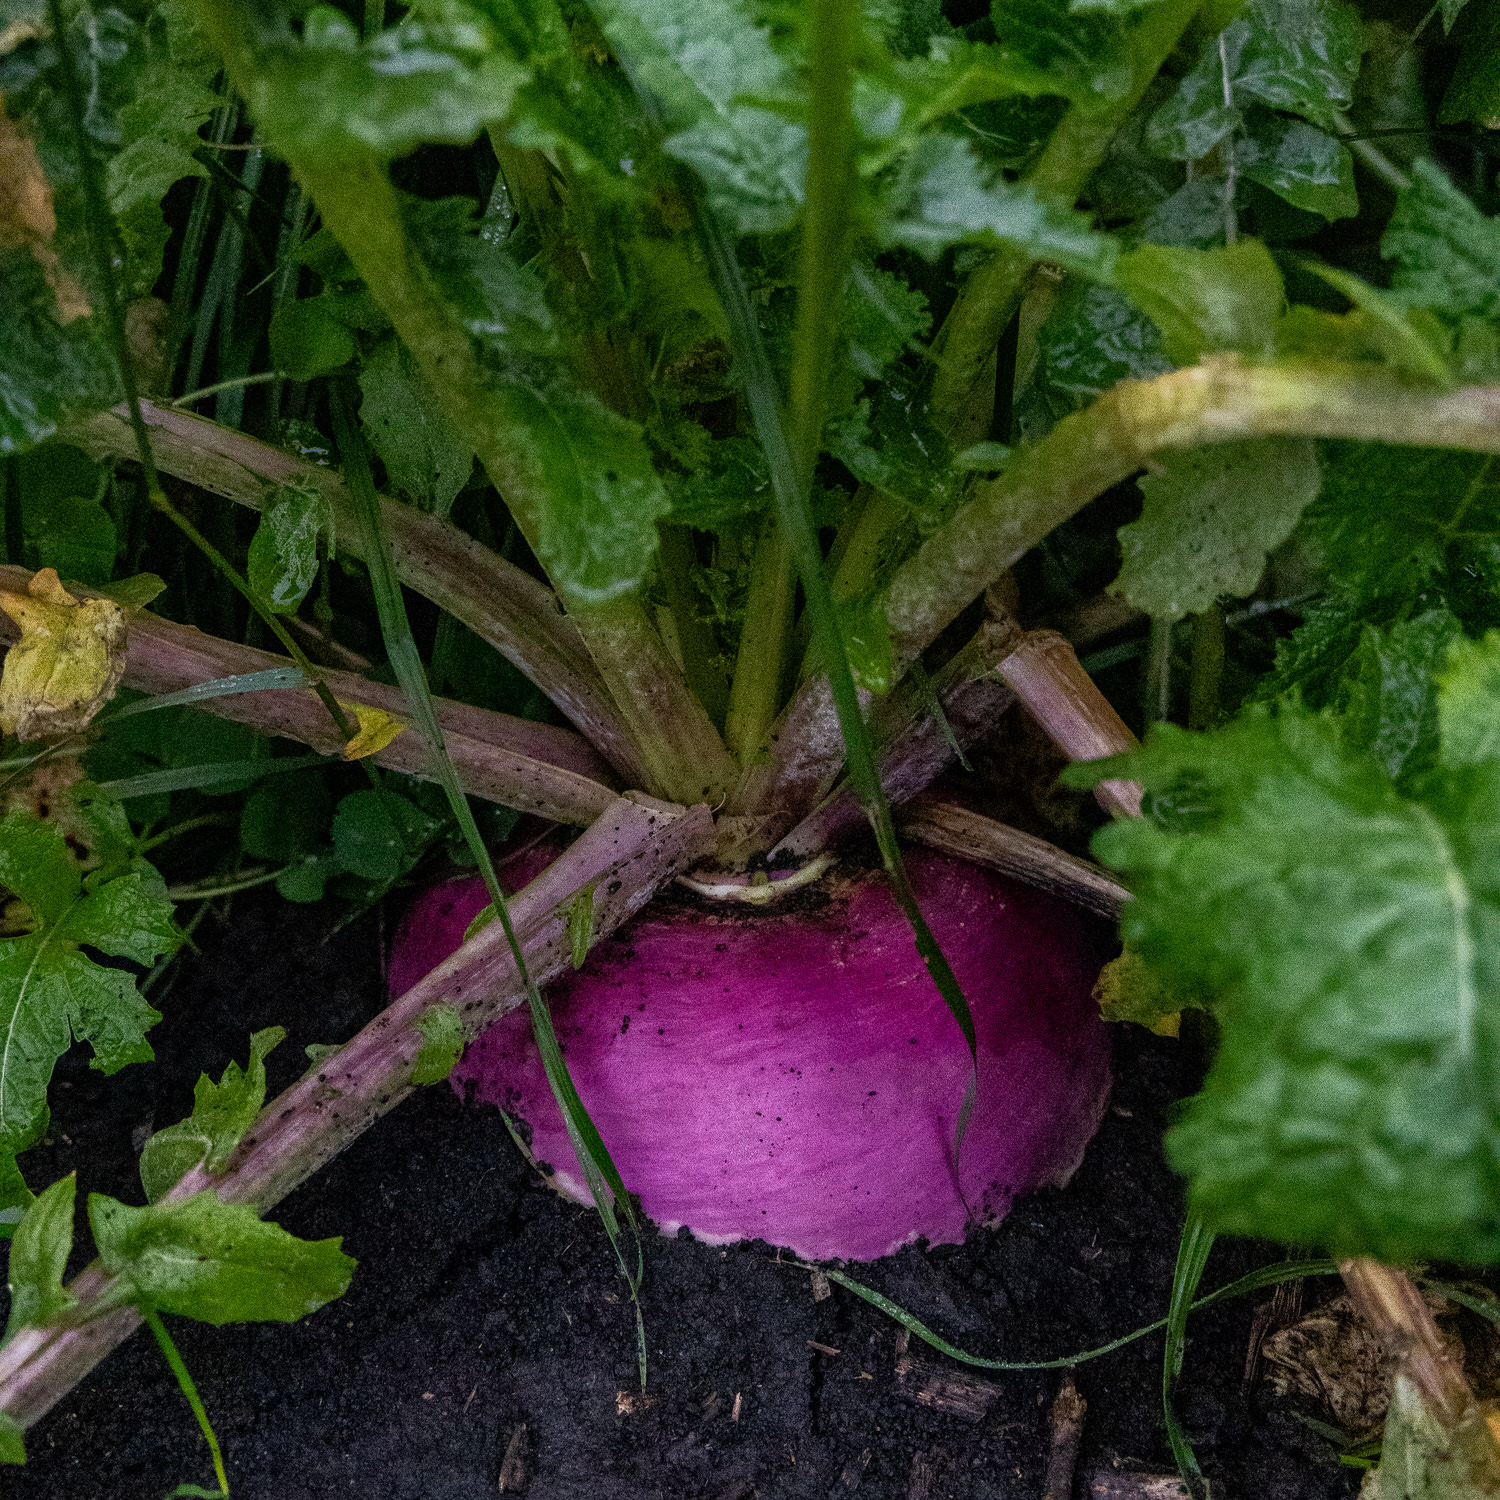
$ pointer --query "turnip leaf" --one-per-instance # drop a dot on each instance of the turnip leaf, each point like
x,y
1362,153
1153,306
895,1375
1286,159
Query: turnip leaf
x,y
1211,516
216,1262
1446,252
1302,164
50,992
222,1113
1344,934
39,1257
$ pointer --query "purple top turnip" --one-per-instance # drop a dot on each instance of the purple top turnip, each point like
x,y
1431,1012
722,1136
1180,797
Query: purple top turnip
x,y
793,1075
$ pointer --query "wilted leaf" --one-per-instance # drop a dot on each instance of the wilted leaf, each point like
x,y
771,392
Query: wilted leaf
x,y
67,664
377,729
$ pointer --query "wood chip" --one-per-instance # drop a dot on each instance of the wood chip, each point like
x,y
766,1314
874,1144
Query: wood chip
x,y
513,1466
954,1392
926,1464
821,1348
629,1403
822,1287
852,1473
1067,1432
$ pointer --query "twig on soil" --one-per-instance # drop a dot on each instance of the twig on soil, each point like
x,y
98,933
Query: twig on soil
x,y
1067,1432
623,857
535,768
929,819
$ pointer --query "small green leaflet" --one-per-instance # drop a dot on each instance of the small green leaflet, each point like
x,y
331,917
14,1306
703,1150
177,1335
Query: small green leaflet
x,y
50,993
370,845
1206,301
1211,516
1347,937
222,1113
216,1262
307,340
283,561
442,1029
39,1257
580,911
424,458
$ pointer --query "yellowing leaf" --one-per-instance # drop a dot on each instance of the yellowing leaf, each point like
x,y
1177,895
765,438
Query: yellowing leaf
x,y
377,729
27,219
67,664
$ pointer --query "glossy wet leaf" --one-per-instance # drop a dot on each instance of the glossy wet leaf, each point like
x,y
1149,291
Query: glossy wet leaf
x,y
216,1262
369,844
39,1257
222,1113
1300,163
1211,516
283,561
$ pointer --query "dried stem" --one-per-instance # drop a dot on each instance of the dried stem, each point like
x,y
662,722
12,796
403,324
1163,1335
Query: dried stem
x,y
535,768
520,617
623,857
931,820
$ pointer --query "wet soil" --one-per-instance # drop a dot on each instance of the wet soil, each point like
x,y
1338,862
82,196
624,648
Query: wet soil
x,y
487,1347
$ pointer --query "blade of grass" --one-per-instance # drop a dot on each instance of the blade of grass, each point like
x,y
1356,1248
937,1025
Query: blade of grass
x,y
791,457
608,1191
1192,1255
190,1390
1255,1281
273,679
209,777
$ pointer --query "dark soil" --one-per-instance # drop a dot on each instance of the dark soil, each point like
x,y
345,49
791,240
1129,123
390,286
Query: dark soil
x,y
486,1316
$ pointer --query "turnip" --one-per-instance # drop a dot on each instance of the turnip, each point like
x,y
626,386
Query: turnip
x,y
791,1074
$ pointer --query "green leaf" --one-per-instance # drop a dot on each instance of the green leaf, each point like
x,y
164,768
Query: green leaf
x,y
286,818
1206,301
331,95
72,533
942,196
283,560
222,1113
424,457
1211,516
39,1257
1387,698
442,1029
373,847
1447,252
216,1262
1421,1459
1295,55
307,340
12,1440
15,1196
51,370
1466,704
1345,936
1129,989
1300,163
1082,49
50,993
581,925
1410,339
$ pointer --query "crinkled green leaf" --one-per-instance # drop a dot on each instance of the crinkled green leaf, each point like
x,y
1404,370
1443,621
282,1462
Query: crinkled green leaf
x,y
943,196
39,1257
216,1262
1347,937
442,1029
50,993
1206,301
283,560
1300,163
331,94
1466,704
1387,698
1447,252
1128,989
1295,55
1211,516
222,1113
1081,49
424,457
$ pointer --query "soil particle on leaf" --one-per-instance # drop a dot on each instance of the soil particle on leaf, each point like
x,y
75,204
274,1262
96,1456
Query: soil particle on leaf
x,y
488,1336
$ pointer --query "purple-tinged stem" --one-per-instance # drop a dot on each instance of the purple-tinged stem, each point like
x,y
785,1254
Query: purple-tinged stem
x,y
622,859
931,820
520,617
534,768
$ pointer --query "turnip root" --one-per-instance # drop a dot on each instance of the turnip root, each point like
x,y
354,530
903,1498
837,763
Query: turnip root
x,y
792,1074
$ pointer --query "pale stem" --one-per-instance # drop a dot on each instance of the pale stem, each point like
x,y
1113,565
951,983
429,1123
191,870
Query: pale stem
x,y
1220,400
622,859
534,768
760,666
928,819
519,616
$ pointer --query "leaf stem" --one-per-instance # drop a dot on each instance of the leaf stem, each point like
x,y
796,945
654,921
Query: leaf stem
x,y
961,405
184,1379
755,693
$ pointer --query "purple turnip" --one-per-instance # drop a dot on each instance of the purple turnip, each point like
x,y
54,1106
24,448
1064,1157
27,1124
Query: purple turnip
x,y
792,1074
